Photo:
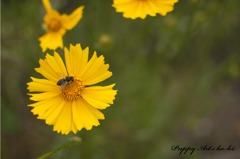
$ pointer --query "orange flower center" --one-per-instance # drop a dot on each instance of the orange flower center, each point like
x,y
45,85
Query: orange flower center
x,y
54,25
73,90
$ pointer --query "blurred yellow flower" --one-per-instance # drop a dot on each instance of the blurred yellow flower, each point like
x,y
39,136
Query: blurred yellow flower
x,y
56,25
66,98
141,8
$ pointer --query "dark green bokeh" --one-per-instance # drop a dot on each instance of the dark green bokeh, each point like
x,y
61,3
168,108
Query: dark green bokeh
x,y
178,80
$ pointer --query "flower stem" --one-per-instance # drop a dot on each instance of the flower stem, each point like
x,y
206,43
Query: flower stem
x,y
58,149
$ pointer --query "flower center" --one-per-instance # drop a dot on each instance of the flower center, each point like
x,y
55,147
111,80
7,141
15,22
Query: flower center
x,y
54,25
73,90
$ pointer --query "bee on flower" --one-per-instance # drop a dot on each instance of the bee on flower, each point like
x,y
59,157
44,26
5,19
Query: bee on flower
x,y
141,8
56,25
66,98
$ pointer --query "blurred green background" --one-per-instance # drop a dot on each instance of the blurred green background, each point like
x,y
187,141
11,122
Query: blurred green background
x,y
178,78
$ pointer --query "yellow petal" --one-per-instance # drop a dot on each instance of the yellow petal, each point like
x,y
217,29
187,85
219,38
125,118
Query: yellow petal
x,y
46,71
61,67
45,95
76,116
47,5
37,103
52,117
99,96
128,7
49,112
96,113
83,60
85,115
140,9
164,6
70,21
51,40
42,85
64,121
95,71
42,107
75,59
56,64
52,68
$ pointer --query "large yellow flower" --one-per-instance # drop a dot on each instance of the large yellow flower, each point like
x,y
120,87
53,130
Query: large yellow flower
x,y
141,8
57,25
66,98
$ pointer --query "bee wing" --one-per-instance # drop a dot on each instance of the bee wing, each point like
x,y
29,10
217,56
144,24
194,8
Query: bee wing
x,y
64,85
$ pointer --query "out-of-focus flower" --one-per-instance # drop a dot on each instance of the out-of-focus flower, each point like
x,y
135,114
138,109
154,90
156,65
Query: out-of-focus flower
x,y
105,40
66,98
141,8
56,25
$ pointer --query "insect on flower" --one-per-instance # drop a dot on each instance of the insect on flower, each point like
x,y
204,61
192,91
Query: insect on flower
x,y
65,81
68,97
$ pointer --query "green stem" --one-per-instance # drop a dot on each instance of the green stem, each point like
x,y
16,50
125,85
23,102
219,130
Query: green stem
x,y
58,149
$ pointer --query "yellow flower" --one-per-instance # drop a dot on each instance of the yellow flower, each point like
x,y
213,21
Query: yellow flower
x,y
57,25
141,8
66,98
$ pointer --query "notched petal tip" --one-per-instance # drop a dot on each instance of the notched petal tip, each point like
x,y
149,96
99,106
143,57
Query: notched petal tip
x,y
66,50
55,53
30,94
78,45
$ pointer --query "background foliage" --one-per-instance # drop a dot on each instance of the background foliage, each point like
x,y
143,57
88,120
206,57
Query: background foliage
x,y
178,78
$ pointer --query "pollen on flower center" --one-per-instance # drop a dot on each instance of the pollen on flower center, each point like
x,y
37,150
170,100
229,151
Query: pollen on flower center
x,y
73,90
54,25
